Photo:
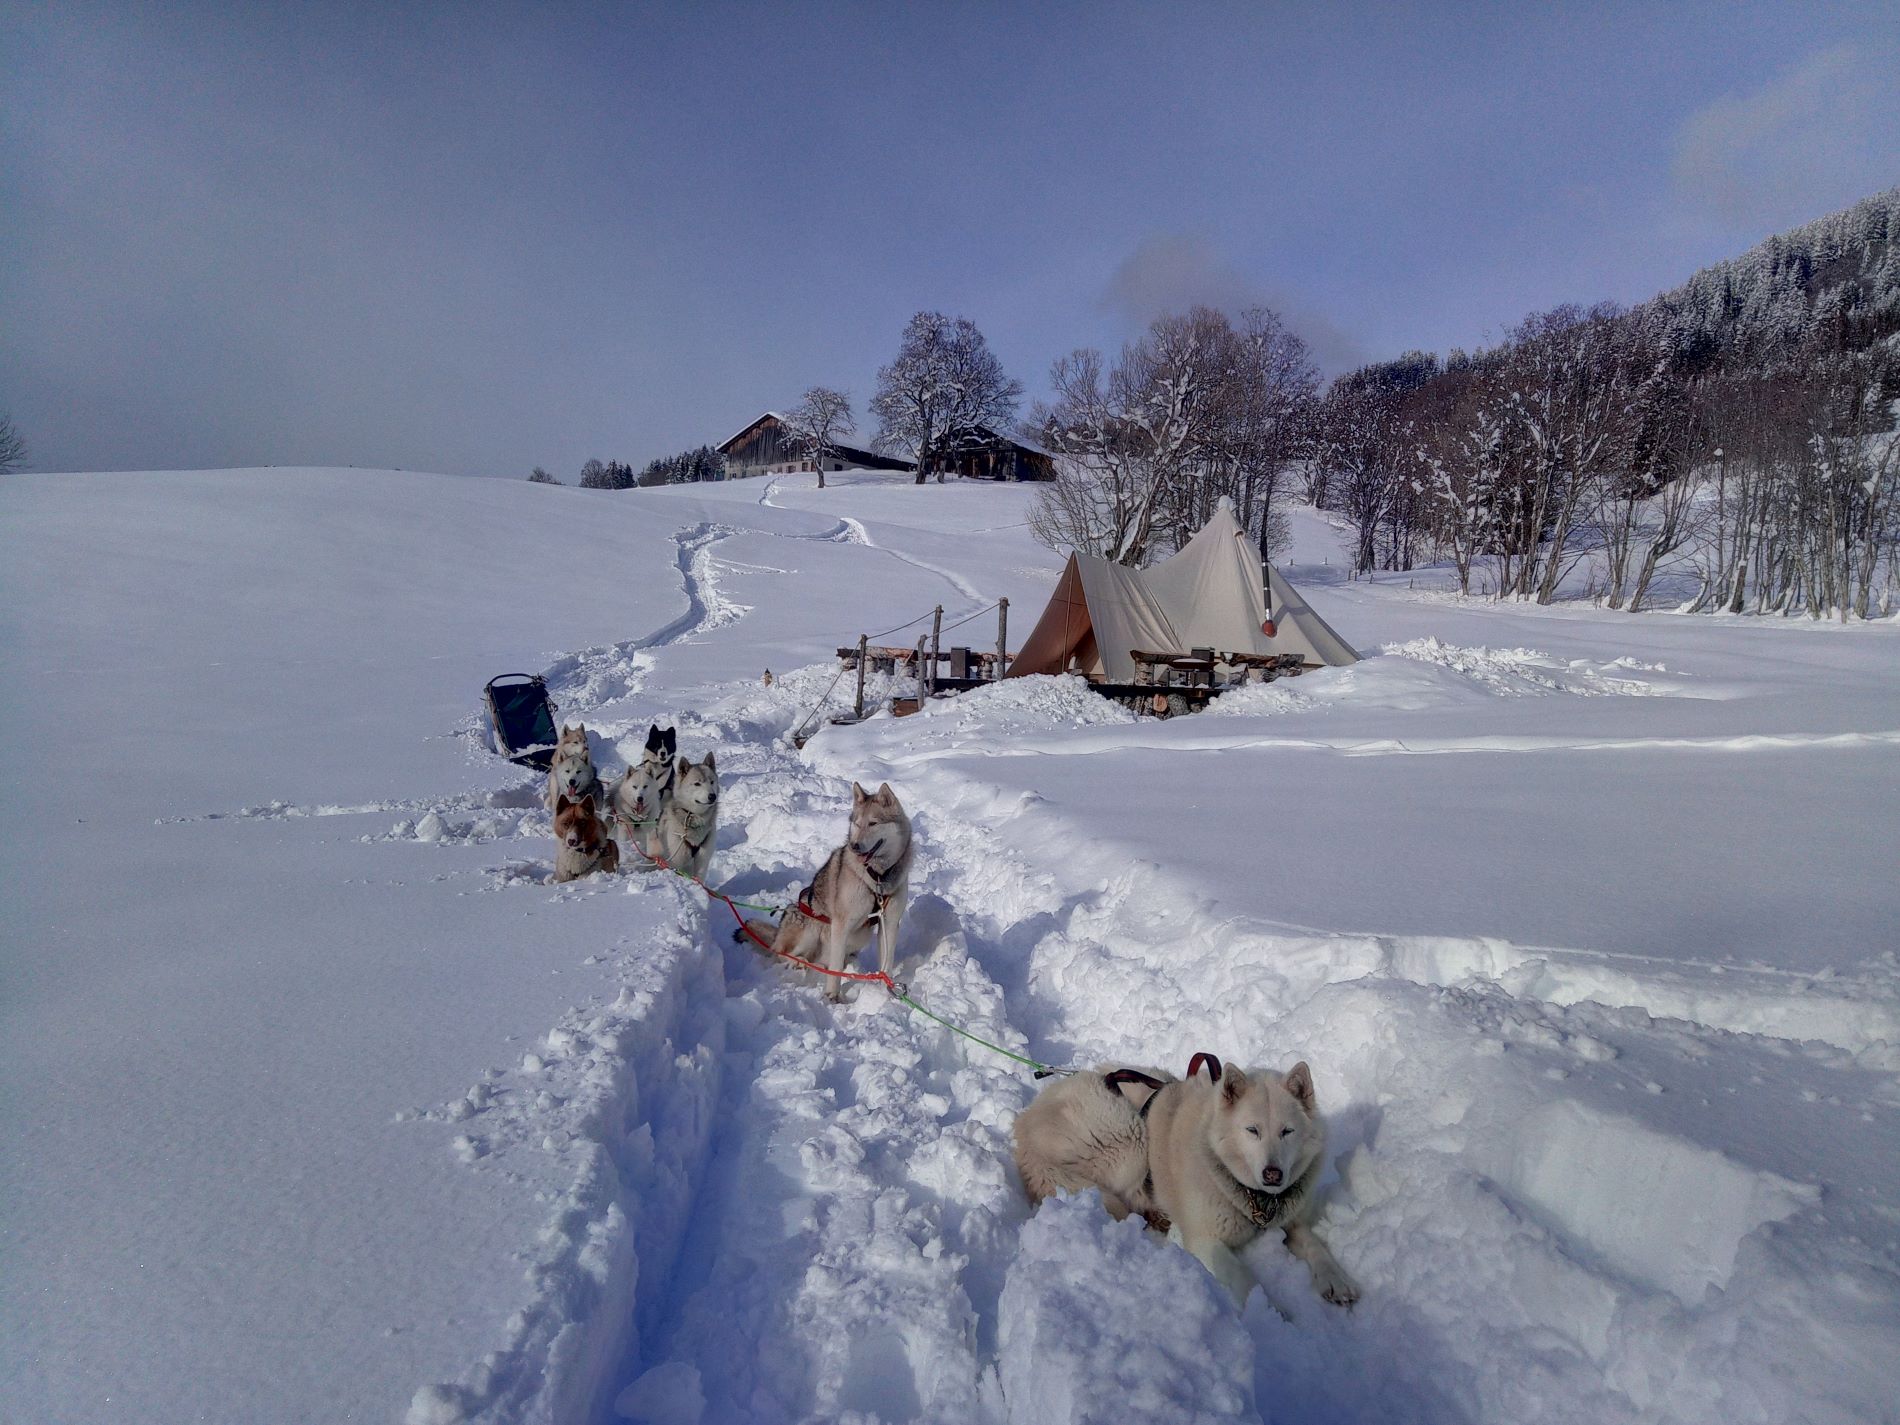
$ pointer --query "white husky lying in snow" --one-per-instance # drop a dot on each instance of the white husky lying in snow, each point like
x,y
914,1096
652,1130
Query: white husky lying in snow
x,y
1215,1159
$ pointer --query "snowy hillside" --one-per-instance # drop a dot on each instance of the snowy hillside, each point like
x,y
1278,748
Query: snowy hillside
x,y
323,1104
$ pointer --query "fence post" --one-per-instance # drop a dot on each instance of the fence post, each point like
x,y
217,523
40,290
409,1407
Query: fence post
x,y
920,671
1002,634
858,708
936,633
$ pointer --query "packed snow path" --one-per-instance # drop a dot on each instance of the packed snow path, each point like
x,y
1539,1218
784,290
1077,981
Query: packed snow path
x,y
1602,1008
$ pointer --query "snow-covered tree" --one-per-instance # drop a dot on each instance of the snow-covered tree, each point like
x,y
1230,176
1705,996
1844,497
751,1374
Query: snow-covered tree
x,y
1197,411
610,475
944,378
821,417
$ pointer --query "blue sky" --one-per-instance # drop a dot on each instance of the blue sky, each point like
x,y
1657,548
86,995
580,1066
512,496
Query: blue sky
x,y
477,238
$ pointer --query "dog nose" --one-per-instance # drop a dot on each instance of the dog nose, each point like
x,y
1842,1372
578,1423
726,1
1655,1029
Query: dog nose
x,y
1271,1177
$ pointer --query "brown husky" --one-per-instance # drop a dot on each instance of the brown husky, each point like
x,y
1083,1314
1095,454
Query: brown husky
x,y
582,844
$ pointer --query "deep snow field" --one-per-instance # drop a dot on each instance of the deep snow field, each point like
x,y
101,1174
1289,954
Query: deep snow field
x,y
321,1103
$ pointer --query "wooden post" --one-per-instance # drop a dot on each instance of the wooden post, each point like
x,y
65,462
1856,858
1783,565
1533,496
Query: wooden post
x,y
1002,635
863,639
936,633
921,695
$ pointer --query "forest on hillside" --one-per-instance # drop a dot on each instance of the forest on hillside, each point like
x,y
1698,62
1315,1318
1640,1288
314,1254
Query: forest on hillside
x,y
1736,434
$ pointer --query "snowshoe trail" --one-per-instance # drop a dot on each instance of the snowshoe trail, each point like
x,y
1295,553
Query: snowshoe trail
x,y
830,1227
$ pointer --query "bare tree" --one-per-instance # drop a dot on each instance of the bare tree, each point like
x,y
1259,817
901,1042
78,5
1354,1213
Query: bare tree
x,y
538,476
945,378
12,446
1197,411
821,417
1365,441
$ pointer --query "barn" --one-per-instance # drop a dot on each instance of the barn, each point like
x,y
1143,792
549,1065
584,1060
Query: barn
x,y
982,453
761,448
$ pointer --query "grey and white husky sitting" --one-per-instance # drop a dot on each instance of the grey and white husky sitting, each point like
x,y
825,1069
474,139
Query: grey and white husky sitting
x,y
684,837
572,774
864,883
641,796
1214,1159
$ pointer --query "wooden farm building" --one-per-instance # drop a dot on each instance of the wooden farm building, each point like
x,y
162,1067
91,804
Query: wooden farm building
x,y
762,449
980,453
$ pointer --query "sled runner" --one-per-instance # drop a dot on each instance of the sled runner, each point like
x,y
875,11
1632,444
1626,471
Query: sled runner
x,y
521,719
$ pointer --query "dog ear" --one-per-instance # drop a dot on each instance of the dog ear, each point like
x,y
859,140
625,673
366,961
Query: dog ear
x,y
683,767
1299,1083
654,741
709,763
670,737
561,803
858,794
886,795
1233,1083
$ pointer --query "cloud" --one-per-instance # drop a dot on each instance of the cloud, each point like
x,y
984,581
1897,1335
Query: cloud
x,y
1818,136
1171,272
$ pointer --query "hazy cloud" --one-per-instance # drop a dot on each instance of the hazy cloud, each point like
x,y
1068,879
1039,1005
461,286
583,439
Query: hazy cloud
x,y
1802,143
1171,272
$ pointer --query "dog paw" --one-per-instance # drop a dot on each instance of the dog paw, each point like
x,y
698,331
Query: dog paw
x,y
1335,1286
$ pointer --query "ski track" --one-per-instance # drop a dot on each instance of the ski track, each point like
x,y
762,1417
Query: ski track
x,y
852,531
827,1225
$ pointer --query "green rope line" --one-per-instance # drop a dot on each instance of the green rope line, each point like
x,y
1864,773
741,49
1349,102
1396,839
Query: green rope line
x,y
1042,1070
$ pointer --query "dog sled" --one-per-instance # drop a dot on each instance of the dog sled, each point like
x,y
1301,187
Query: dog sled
x,y
521,720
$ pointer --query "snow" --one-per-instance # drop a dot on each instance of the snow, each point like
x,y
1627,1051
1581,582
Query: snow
x,y
325,1104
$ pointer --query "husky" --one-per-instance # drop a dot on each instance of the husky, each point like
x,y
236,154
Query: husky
x,y
582,845
1214,1159
865,882
641,796
572,774
684,837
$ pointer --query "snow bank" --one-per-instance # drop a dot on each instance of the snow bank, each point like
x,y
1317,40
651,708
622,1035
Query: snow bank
x,y
622,1097
1102,1323
1604,1025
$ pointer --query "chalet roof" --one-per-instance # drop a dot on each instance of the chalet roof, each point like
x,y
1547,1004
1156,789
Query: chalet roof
x,y
861,452
1015,438
768,416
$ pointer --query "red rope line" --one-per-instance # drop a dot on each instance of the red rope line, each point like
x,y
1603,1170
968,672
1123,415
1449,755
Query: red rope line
x,y
876,977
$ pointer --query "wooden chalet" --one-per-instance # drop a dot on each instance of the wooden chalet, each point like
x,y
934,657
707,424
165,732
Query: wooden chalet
x,y
761,448
981,453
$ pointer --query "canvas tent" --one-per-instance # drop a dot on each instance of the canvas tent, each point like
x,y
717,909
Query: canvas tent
x,y
1211,593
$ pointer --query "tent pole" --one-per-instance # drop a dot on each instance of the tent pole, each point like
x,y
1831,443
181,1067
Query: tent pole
x,y
936,634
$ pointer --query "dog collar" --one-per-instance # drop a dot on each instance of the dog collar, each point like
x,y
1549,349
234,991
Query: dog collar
x,y
1265,1209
